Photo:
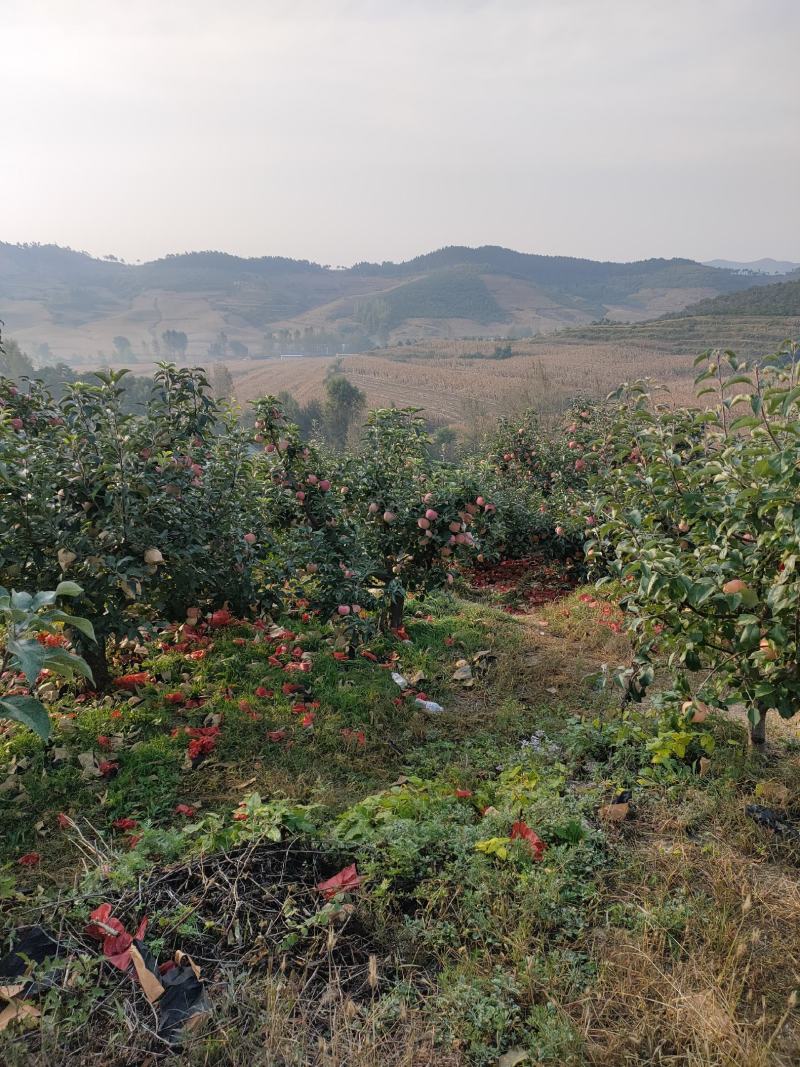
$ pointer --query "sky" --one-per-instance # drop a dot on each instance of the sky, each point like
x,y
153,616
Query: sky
x,y
349,130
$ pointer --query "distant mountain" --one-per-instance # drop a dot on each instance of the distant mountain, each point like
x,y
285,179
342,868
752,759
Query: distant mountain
x,y
756,266
779,299
63,304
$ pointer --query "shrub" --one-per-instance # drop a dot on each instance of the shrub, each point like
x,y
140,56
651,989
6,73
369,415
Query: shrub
x,y
700,523
147,510
34,643
420,518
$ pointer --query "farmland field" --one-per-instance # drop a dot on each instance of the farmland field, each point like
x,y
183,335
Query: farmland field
x,y
453,385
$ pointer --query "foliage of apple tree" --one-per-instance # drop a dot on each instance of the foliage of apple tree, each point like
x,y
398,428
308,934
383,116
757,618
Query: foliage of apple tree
x,y
148,511
700,522
318,548
419,517
32,642
538,478
369,528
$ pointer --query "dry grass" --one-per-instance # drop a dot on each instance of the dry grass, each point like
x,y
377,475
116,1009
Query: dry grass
x,y
303,378
697,936
453,388
708,972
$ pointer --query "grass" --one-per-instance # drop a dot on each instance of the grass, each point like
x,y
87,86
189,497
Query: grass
x,y
668,938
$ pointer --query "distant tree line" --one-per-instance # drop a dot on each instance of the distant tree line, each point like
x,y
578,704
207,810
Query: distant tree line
x,y
16,364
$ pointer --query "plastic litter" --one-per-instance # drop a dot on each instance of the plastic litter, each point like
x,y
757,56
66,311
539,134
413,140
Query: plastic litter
x,y
31,945
776,821
182,1003
430,706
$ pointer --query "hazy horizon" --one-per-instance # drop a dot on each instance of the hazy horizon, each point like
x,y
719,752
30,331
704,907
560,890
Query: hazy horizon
x,y
354,131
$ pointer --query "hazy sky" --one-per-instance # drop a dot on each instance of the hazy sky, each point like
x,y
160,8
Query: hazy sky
x,y
343,130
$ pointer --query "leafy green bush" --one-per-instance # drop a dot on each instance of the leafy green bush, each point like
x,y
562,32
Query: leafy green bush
x,y
699,522
148,511
23,615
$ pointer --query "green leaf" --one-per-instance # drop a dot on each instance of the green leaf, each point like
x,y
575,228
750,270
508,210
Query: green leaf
x,y
75,621
68,589
790,398
67,663
29,711
28,656
21,601
744,422
43,599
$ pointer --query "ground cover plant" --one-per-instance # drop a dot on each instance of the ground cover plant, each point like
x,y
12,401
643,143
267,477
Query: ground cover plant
x,y
378,799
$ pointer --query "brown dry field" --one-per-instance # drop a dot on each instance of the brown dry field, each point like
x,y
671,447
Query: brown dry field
x,y
458,383
454,389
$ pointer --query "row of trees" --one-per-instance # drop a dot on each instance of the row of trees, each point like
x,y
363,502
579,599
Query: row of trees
x,y
694,513
179,504
174,344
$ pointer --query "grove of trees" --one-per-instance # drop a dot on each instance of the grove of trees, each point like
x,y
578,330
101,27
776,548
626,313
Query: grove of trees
x,y
689,516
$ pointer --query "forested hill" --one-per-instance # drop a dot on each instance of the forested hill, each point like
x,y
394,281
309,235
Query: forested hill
x,y
782,298
76,304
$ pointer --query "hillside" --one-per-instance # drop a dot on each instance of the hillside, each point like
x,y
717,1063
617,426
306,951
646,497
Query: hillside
x,y
63,304
758,266
782,298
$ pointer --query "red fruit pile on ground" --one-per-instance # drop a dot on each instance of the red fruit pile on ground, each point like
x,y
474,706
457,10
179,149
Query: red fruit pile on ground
x,y
528,582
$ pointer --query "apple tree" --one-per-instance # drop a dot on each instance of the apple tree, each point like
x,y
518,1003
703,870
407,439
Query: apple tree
x,y
699,520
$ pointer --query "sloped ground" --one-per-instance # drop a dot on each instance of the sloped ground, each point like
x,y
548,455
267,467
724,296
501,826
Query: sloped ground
x,y
669,937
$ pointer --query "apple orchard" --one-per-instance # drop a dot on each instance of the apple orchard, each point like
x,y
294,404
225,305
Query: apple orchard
x,y
151,523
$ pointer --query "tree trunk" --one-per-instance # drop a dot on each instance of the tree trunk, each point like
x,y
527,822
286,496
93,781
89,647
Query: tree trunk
x,y
95,656
758,733
396,612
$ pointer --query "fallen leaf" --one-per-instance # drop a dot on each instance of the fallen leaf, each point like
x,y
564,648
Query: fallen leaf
x,y
90,766
774,793
17,1009
614,812
513,1057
